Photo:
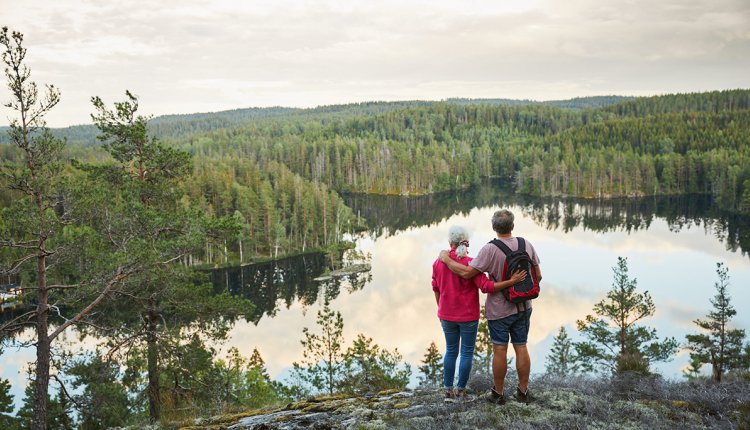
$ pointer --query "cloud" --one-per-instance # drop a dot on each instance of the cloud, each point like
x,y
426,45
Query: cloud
x,y
335,51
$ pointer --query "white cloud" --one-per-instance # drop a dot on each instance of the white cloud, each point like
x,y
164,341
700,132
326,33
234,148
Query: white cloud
x,y
335,51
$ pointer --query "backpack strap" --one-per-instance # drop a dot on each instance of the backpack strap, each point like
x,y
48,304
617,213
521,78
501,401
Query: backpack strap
x,y
521,244
503,247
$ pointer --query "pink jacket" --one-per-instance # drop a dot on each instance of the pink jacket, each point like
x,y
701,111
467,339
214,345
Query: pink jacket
x,y
459,297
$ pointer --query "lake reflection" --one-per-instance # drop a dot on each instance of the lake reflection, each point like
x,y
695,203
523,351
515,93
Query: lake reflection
x,y
272,284
672,246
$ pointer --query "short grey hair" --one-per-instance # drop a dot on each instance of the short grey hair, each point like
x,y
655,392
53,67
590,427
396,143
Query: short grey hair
x,y
456,235
502,221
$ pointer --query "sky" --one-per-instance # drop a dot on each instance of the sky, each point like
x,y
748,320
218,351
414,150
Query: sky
x,y
186,56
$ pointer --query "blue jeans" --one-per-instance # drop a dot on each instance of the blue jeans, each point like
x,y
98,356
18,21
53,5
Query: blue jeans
x,y
464,333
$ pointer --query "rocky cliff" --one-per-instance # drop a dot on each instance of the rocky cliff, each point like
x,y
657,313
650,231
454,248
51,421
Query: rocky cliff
x,y
571,403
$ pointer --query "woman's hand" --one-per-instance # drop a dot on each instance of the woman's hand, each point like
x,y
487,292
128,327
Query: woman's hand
x,y
518,276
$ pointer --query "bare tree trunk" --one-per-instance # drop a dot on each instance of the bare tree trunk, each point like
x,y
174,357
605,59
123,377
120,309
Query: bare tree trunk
x,y
41,381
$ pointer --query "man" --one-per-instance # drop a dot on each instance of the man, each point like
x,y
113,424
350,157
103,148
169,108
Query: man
x,y
506,321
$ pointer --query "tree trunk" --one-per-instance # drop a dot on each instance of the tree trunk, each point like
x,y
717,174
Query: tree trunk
x,y
154,399
41,383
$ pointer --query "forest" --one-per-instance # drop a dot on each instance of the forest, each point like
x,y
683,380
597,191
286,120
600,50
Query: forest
x,y
282,170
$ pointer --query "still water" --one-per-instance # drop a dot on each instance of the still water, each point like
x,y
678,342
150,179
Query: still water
x,y
672,246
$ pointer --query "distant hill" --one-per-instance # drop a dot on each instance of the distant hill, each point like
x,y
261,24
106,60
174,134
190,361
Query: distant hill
x,y
181,125
711,102
575,103
175,126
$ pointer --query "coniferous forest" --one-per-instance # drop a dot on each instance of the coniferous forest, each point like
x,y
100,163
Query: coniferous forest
x,y
280,169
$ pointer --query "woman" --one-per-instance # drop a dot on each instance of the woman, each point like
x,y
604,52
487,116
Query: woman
x,y
458,310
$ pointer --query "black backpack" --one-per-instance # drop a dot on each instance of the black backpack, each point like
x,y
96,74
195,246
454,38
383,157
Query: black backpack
x,y
527,289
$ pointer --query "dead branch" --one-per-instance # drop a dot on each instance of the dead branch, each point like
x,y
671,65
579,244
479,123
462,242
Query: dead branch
x,y
173,259
27,244
120,276
119,345
18,263
65,391
14,323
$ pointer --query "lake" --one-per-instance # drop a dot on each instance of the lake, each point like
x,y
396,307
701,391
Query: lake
x,y
672,246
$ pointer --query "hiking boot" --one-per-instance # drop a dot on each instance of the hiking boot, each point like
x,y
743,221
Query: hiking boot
x,y
494,397
523,397
462,397
450,396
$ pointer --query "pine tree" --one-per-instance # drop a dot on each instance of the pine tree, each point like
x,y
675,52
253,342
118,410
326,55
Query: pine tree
x,y
323,353
57,418
140,206
60,412
102,400
432,367
7,420
36,230
37,183
260,390
562,360
368,368
256,361
721,346
616,344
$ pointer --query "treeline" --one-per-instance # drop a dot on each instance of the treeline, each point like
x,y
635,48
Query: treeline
x,y
713,102
574,103
667,154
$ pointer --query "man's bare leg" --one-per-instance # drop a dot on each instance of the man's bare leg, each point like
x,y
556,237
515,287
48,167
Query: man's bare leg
x,y
523,366
500,366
